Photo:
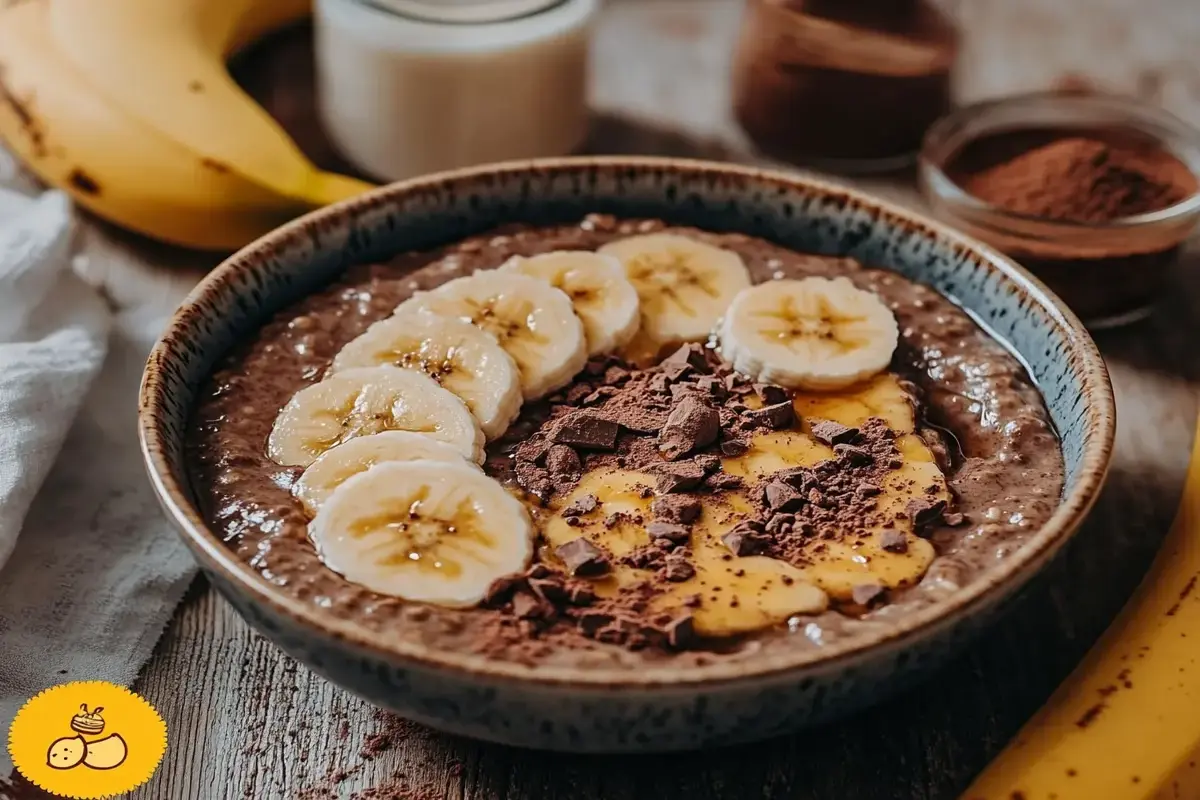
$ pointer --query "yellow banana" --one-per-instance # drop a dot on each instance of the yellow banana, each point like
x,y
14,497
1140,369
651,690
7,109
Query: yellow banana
x,y
1126,724
125,170
111,163
163,62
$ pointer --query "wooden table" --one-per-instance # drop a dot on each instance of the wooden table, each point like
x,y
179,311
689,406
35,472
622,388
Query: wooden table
x,y
246,721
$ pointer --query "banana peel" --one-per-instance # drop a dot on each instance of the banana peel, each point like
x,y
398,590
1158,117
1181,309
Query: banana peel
x,y
1126,723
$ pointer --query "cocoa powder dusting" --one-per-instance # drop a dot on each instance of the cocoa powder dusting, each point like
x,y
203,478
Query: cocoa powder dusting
x,y
1084,180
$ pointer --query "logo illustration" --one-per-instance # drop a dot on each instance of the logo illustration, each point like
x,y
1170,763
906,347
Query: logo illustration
x,y
88,739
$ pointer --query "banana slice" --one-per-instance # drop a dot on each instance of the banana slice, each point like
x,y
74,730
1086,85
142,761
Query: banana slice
x,y
604,299
343,462
456,354
430,531
684,285
534,323
367,400
815,334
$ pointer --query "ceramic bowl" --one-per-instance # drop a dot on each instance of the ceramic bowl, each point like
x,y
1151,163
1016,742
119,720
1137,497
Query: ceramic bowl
x,y
657,708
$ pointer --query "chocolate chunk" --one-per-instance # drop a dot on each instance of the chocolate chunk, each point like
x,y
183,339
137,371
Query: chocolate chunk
x,y
616,375
723,482
690,354
802,478
540,571
692,424
670,531
867,490
596,367
551,590
676,509
923,512
681,632
781,497
735,383
580,594
776,417
562,460
533,451
678,477
733,448
711,385
527,605
601,394
954,519
581,505
502,589
693,601
586,429
676,371
894,541
591,622
828,432
855,456
780,524
658,384
583,558
770,394
745,538
576,393
678,568
864,594
647,557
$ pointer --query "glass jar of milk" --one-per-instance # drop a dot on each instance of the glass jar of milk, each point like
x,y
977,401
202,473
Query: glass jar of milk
x,y
407,87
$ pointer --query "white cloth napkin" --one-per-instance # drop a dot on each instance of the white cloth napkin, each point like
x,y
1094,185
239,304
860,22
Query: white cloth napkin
x,y
90,571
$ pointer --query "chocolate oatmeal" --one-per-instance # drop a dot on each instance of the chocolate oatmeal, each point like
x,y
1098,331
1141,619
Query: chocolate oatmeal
x,y
677,502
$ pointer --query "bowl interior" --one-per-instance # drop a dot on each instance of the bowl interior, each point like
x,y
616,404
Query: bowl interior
x,y
802,214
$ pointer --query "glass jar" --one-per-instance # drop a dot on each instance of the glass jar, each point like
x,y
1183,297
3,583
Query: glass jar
x,y
407,87
845,85
1109,273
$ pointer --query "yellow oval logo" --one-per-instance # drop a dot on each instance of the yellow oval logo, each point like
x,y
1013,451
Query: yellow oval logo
x,y
87,739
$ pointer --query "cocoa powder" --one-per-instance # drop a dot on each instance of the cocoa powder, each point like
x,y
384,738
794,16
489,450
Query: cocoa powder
x,y
1078,179
1081,176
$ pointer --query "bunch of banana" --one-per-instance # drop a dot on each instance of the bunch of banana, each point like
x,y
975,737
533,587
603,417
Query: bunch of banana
x,y
392,437
127,106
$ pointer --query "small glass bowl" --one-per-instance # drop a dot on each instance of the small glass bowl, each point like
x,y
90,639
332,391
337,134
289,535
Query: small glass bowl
x,y
1109,273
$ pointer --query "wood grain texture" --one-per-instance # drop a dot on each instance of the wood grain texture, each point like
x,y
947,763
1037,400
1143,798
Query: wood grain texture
x,y
248,722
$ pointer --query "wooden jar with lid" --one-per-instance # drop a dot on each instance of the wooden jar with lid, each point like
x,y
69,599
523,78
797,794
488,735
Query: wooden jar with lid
x,y
847,85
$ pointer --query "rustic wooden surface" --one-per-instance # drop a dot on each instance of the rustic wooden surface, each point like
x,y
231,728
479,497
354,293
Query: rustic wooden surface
x,y
246,721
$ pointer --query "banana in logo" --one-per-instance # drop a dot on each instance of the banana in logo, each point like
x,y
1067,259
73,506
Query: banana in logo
x,y
88,739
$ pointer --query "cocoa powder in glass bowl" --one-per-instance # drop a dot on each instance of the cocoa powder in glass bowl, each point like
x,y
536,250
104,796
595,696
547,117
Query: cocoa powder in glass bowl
x,y
1093,194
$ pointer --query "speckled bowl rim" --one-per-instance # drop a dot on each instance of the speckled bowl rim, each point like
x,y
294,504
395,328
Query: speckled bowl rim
x,y
1003,581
